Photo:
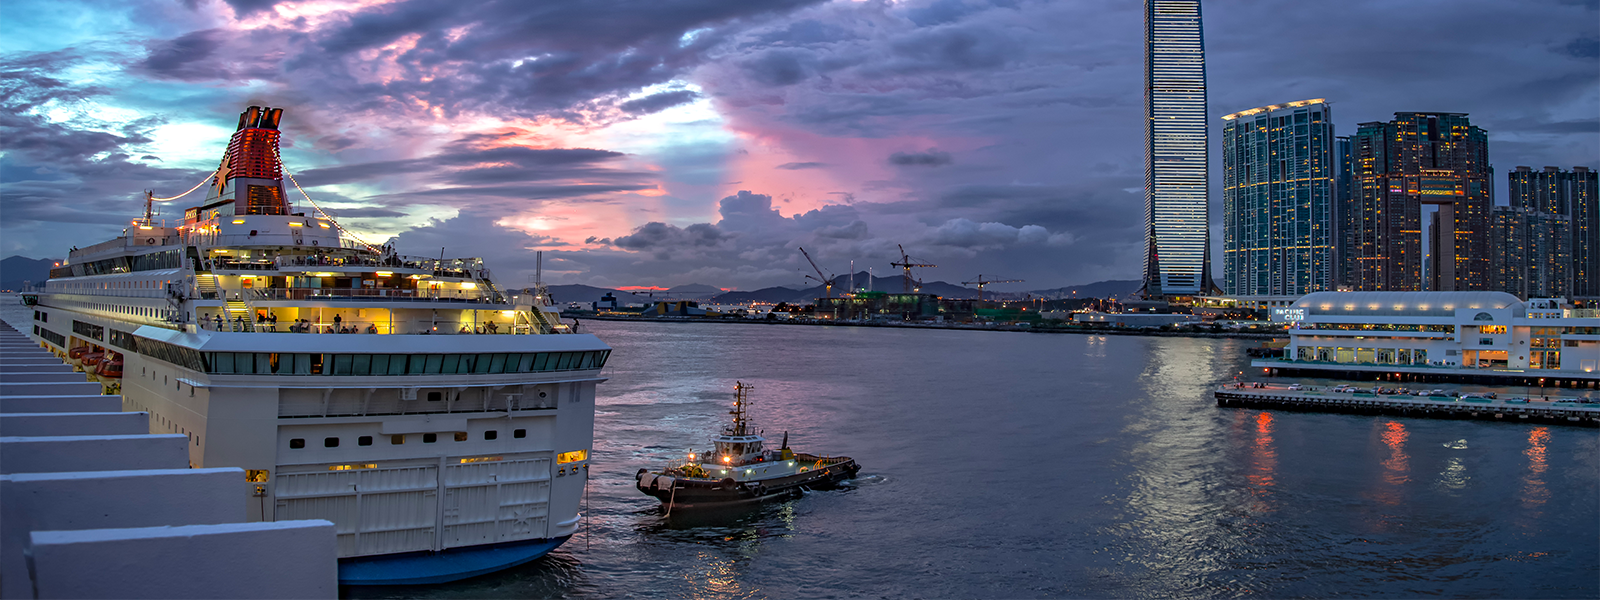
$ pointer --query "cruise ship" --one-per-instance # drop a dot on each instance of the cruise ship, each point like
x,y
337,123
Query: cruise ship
x,y
440,420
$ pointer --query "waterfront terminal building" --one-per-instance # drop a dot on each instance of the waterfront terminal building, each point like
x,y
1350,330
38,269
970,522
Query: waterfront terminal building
x,y
1468,336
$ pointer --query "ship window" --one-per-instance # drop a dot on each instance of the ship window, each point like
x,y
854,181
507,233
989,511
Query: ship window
x,y
417,364
380,364
264,363
222,362
541,361
465,366
526,363
365,440
332,442
429,438
316,364
567,358
397,364
451,362
491,434
397,439
497,363
297,443
361,364
435,396
302,364
341,364
275,361
520,433
461,436
435,362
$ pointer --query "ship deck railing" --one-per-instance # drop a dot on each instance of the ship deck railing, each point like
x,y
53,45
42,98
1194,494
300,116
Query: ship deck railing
x,y
366,328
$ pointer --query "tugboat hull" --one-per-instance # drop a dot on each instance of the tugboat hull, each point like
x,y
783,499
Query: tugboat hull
x,y
689,493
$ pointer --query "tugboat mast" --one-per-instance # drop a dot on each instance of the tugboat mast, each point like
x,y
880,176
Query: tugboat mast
x,y
741,400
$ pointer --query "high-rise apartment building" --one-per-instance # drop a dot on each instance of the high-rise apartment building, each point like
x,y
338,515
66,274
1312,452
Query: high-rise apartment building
x,y
1343,241
1178,244
1539,205
1277,200
1398,167
1584,211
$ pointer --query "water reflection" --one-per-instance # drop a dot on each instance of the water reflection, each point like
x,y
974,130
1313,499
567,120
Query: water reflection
x,y
1397,466
726,542
1534,492
1263,460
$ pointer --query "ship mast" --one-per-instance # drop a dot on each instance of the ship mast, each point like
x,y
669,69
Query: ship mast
x,y
741,401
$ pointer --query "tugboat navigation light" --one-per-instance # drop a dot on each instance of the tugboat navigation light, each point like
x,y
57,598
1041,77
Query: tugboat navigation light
x,y
726,459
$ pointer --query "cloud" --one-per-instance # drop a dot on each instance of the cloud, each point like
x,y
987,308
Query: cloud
x,y
932,158
658,102
796,166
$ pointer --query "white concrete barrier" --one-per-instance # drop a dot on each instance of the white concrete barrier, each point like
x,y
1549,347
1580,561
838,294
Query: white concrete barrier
x,y
287,559
48,389
42,377
109,499
54,404
74,423
71,453
43,367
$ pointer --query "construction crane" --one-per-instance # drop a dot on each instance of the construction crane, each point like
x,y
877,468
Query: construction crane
x,y
980,282
905,263
825,280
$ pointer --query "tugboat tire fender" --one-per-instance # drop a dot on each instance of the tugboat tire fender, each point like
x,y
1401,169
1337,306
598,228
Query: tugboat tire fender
x,y
727,483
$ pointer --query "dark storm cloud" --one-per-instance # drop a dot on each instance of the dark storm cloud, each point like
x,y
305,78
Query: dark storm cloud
x,y
501,165
658,102
932,158
661,238
366,213
177,58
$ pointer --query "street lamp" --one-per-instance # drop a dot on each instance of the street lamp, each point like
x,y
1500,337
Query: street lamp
x,y
1541,388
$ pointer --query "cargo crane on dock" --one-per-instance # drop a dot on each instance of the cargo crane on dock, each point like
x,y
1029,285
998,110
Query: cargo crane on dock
x,y
825,280
980,282
906,263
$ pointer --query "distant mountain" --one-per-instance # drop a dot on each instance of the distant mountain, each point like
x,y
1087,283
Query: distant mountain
x,y
583,293
692,291
1121,288
771,294
16,269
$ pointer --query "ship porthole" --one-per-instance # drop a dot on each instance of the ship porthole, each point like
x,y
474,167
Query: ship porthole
x,y
151,241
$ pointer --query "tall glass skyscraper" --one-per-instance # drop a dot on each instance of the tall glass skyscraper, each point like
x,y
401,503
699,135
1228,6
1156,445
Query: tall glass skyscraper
x,y
1277,200
1177,233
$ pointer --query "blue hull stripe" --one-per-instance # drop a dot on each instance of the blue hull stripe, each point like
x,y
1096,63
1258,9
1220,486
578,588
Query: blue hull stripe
x,y
441,567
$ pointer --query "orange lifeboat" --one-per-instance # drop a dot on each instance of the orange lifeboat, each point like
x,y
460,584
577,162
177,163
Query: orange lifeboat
x,y
93,358
78,352
111,367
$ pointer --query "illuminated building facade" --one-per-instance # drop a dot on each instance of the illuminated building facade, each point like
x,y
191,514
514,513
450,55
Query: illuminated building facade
x,y
1397,168
1277,200
1537,221
1177,234
1585,228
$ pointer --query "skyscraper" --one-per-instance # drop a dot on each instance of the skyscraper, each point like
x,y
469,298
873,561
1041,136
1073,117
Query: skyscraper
x,y
1177,233
1418,159
1539,203
1277,200
1343,223
1584,210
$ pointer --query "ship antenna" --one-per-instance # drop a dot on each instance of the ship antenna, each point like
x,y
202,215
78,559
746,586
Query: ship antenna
x,y
149,200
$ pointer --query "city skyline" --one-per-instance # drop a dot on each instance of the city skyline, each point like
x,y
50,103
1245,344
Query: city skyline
x,y
676,146
1278,204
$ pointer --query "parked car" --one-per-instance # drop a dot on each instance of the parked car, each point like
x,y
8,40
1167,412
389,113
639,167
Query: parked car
x,y
1516,400
1294,386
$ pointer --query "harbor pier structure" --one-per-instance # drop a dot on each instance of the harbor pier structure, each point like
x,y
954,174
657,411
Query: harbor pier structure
x,y
1485,337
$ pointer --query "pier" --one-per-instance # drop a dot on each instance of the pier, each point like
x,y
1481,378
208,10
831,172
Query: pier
x,y
1559,411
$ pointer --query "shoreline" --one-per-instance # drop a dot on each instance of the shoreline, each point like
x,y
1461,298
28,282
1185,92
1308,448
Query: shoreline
x,y
953,326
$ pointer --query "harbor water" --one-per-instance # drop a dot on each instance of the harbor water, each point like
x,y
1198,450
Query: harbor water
x,y
1054,466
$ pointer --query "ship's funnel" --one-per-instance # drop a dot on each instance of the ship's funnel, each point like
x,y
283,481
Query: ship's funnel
x,y
269,119
249,117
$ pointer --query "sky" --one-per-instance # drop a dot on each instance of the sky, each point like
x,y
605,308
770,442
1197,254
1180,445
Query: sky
x,y
668,142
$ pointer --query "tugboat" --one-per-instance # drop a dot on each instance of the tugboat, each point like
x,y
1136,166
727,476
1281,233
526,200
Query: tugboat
x,y
740,471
